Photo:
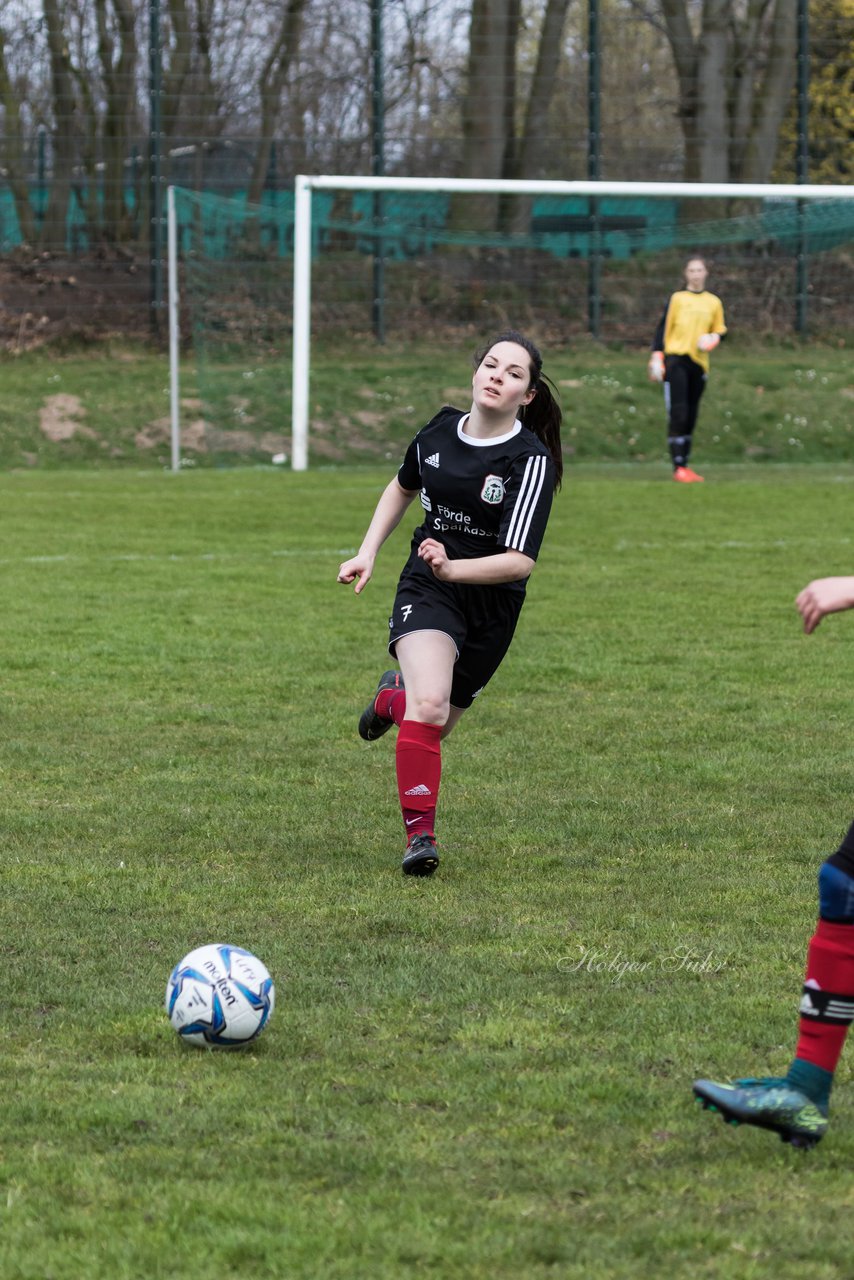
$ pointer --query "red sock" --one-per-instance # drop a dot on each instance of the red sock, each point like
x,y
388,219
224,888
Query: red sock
x,y
391,705
827,1006
419,769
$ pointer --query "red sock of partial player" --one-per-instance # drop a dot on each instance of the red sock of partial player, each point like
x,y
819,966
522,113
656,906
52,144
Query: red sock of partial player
x,y
419,770
827,1006
391,705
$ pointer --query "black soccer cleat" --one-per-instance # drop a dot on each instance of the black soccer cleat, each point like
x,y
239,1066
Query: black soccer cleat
x,y
371,725
422,856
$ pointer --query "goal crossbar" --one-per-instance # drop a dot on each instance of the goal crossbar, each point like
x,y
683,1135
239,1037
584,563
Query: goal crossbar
x,y
548,187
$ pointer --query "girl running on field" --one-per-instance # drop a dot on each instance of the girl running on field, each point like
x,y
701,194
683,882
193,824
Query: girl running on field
x,y
485,480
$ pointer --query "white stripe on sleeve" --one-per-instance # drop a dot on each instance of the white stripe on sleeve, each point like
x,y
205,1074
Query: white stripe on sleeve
x,y
526,503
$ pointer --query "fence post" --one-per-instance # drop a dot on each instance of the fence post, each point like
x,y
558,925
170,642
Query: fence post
x,y
155,193
378,166
174,331
594,157
802,168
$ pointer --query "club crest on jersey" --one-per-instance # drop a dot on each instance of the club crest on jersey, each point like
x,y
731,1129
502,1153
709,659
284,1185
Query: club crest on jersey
x,y
493,490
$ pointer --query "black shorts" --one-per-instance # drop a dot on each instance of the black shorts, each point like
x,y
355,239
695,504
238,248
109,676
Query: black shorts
x,y
479,619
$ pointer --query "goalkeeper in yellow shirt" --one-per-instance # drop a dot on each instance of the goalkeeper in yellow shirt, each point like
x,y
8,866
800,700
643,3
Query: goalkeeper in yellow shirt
x,y
691,326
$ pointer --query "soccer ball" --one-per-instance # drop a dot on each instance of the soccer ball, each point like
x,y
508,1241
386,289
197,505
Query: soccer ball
x,y
219,996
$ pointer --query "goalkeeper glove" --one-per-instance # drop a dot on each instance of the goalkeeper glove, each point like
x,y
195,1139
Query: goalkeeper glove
x,y
708,341
655,368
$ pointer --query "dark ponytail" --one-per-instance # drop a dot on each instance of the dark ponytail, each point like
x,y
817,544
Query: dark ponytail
x,y
543,415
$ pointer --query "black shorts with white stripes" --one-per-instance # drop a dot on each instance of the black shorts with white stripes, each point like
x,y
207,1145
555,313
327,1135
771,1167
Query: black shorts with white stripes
x,y
479,619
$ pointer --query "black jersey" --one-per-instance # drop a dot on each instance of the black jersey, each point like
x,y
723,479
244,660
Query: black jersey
x,y
480,497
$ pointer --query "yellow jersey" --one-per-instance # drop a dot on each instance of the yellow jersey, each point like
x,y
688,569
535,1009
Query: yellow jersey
x,y
688,316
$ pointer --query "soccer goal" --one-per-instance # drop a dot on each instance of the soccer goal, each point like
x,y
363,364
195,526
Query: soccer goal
x,y
344,260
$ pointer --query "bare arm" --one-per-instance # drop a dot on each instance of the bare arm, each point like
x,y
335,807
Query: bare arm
x,y
505,566
823,596
388,514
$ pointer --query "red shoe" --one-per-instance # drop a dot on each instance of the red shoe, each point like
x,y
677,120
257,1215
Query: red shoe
x,y
686,476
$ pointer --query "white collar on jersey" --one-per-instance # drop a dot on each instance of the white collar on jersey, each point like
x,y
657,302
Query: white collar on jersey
x,y
514,431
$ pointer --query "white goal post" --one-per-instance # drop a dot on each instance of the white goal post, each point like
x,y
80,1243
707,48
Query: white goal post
x,y
304,187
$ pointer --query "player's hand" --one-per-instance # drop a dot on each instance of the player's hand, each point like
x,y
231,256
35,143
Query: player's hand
x,y
434,554
823,596
655,368
708,341
361,567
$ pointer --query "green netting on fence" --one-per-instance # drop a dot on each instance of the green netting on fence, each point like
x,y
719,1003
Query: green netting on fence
x,y
406,225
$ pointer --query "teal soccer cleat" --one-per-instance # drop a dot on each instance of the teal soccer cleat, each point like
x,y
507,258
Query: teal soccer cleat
x,y
769,1103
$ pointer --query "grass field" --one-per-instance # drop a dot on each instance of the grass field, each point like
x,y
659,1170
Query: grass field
x,y
483,1075
110,408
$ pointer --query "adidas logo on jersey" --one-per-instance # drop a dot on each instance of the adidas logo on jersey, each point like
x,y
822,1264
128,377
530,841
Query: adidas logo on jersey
x,y
420,790
432,461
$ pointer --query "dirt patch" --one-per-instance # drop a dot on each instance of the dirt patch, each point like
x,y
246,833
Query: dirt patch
x,y
153,434
325,449
61,417
367,419
158,432
273,444
194,436
199,436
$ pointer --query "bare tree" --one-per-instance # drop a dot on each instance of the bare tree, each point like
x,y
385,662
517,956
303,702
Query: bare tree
x,y
179,61
475,87
531,150
14,147
65,126
735,65
489,102
117,50
758,115
528,153
493,145
271,83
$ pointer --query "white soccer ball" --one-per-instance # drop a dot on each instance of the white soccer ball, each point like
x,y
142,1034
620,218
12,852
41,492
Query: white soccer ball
x,y
219,996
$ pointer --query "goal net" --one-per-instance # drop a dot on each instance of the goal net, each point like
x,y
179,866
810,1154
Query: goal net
x,y
345,263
